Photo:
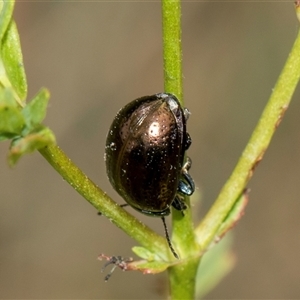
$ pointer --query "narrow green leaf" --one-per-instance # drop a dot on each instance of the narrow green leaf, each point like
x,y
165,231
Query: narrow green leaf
x,y
35,111
147,267
13,61
234,215
30,143
143,253
6,10
232,218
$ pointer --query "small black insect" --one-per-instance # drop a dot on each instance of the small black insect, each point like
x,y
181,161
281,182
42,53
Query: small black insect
x,y
144,155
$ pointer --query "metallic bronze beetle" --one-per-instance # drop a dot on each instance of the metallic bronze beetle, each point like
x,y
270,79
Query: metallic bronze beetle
x,y
145,155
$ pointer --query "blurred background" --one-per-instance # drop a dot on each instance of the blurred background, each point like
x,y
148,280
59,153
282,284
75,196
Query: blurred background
x,y
96,57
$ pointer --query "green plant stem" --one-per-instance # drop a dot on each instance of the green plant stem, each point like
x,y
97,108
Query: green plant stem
x,y
182,276
183,233
183,279
102,202
172,54
255,149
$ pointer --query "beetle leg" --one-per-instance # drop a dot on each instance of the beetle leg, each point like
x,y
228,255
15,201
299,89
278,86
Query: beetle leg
x,y
179,204
186,186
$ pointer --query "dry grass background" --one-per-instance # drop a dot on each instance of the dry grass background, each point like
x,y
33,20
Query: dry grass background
x,y
95,57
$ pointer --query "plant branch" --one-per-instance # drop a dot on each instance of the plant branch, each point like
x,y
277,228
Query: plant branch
x,y
102,202
255,149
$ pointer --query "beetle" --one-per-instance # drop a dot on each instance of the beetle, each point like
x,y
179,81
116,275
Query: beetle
x,y
145,156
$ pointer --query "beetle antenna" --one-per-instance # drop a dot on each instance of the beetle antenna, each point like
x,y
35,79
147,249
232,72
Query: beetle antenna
x,y
168,238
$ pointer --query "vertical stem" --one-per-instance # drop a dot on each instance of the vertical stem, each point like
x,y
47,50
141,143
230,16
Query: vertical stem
x,y
182,275
171,11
